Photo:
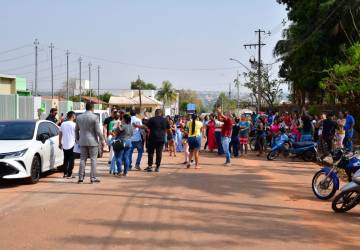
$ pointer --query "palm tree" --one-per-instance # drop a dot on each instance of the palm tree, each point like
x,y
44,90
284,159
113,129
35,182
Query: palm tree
x,y
166,93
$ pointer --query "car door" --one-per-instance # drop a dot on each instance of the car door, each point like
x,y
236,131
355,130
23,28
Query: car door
x,y
56,154
45,148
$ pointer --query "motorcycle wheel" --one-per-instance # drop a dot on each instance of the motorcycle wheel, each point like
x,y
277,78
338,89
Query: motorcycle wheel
x,y
272,155
308,156
345,201
323,186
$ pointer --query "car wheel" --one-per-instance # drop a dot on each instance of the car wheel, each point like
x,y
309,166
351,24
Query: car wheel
x,y
35,170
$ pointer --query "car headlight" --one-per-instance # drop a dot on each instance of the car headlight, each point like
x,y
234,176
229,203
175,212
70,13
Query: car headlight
x,y
12,155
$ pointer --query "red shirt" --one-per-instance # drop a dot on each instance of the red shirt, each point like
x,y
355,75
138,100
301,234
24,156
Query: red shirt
x,y
226,129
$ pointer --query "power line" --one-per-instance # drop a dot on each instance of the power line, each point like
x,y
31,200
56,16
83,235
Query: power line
x,y
15,58
153,67
15,49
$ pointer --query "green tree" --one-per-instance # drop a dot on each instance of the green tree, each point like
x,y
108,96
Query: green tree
x,y
89,92
270,90
166,94
105,97
314,41
226,103
140,84
343,79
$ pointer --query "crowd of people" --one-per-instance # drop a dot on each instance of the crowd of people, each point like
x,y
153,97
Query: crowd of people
x,y
226,134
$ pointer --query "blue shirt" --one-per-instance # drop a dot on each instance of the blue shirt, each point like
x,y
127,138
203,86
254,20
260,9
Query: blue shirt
x,y
137,131
350,121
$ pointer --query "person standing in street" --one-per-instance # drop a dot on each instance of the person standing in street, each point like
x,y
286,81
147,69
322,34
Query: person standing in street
x,y
52,116
157,126
195,131
136,141
328,133
226,131
89,136
349,130
67,142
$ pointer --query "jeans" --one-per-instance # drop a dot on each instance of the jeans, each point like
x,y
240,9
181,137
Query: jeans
x,y
218,142
85,153
348,139
152,146
68,161
234,145
120,156
140,149
225,142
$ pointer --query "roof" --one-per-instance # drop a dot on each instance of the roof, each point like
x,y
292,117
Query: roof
x,y
7,76
45,97
133,101
93,99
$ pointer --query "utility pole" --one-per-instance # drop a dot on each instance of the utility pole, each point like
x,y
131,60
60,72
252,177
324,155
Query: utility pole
x,y
98,92
80,60
36,43
52,70
90,78
258,45
67,74
140,103
238,89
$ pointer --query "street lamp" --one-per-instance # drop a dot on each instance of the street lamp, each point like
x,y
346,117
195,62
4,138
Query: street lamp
x,y
235,60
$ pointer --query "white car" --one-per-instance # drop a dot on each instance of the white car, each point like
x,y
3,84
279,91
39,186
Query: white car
x,y
28,148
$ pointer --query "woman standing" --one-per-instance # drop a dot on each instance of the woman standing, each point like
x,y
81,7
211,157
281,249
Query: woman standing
x,y
307,129
123,134
244,135
211,133
340,131
295,125
195,130
170,138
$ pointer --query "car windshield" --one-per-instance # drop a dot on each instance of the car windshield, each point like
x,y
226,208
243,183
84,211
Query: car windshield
x,y
17,130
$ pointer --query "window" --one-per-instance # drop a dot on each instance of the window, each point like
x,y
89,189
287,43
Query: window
x,y
54,130
43,128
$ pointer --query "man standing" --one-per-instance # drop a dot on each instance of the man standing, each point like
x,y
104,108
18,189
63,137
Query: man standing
x,y
106,124
328,132
349,130
157,126
136,140
67,142
52,116
226,131
88,134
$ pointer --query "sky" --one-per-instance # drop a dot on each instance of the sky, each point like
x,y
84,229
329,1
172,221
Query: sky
x,y
188,42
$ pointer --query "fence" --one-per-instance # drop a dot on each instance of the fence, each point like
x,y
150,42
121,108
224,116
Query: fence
x,y
29,107
8,107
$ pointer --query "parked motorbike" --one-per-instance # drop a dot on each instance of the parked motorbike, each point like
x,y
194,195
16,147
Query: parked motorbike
x,y
286,145
349,196
326,181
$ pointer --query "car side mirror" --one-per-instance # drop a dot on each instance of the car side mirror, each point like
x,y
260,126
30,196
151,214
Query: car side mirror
x,y
43,137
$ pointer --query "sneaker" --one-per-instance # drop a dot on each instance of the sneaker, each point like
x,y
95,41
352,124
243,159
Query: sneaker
x,y
80,181
148,169
157,169
138,168
64,176
188,165
95,180
227,164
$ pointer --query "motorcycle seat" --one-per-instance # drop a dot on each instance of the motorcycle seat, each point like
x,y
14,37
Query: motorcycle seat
x,y
302,144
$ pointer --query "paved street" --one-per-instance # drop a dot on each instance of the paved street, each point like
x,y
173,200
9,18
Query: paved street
x,y
255,204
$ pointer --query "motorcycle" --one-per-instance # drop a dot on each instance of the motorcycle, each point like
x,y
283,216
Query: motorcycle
x,y
349,196
326,181
288,147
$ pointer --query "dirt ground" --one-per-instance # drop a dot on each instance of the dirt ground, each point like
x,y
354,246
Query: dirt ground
x,y
254,204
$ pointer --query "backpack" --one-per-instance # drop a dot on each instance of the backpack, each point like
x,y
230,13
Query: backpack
x,y
118,145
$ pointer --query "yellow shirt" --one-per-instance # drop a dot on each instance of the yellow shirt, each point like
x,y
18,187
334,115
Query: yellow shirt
x,y
197,131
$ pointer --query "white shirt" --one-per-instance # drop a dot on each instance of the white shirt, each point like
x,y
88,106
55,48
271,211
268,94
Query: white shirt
x,y
68,134
137,132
